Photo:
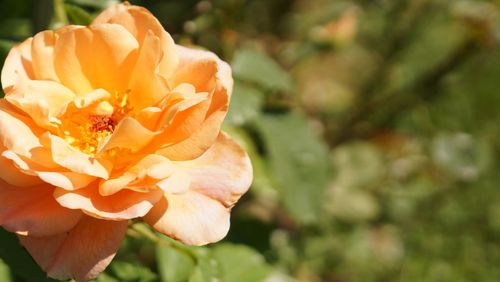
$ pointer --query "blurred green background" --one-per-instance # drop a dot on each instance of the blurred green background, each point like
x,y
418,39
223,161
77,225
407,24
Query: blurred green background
x,y
373,127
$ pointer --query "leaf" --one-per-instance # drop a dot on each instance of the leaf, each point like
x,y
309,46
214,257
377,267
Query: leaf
x,y
104,277
255,67
128,271
77,15
246,104
97,4
173,265
18,259
5,274
240,263
299,162
207,268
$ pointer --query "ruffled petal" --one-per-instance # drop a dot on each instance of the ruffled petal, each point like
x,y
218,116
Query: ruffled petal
x,y
223,173
123,205
98,56
198,142
73,160
141,176
80,254
14,176
128,134
43,100
139,22
17,65
189,55
33,211
42,53
17,133
191,217
146,87
65,179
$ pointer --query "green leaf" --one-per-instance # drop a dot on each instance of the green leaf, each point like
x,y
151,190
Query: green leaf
x,y
128,271
246,104
97,4
255,67
5,274
207,267
240,263
19,261
104,277
299,161
173,265
77,15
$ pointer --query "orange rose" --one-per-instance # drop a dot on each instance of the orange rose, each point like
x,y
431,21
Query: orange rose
x,y
110,122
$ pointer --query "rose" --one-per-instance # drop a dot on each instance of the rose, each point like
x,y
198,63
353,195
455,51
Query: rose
x,y
111,122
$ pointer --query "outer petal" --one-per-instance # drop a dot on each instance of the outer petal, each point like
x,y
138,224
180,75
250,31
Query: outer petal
x,y
64,179
139,22
43,100
33,211
199,137
144,173
193,218
17,65
81,253
223,173
17,133
12,175
201,215
189,55
198,142
126,204
42,53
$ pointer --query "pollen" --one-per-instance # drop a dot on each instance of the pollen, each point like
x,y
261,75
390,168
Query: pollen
x,y
86,129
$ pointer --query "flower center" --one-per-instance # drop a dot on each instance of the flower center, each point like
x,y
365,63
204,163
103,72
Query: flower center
x,y
85,129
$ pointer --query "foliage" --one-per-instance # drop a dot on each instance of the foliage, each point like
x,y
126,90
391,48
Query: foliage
x,y
373,131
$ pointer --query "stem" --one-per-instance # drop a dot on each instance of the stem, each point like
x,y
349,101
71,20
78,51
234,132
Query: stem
x,y
144,231
60,18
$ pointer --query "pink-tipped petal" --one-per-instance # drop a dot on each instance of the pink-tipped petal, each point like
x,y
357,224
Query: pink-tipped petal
x,y
33,211
191,217
80,254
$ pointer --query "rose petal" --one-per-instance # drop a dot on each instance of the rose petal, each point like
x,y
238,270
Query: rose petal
x,y
17,133
33,211
189,55
65,179
74,160
223,173
99,56
17,65
151,167
12,175
147,88
192,218
125,204
196,144
129,134
81,253
139,22
43,100
42,53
